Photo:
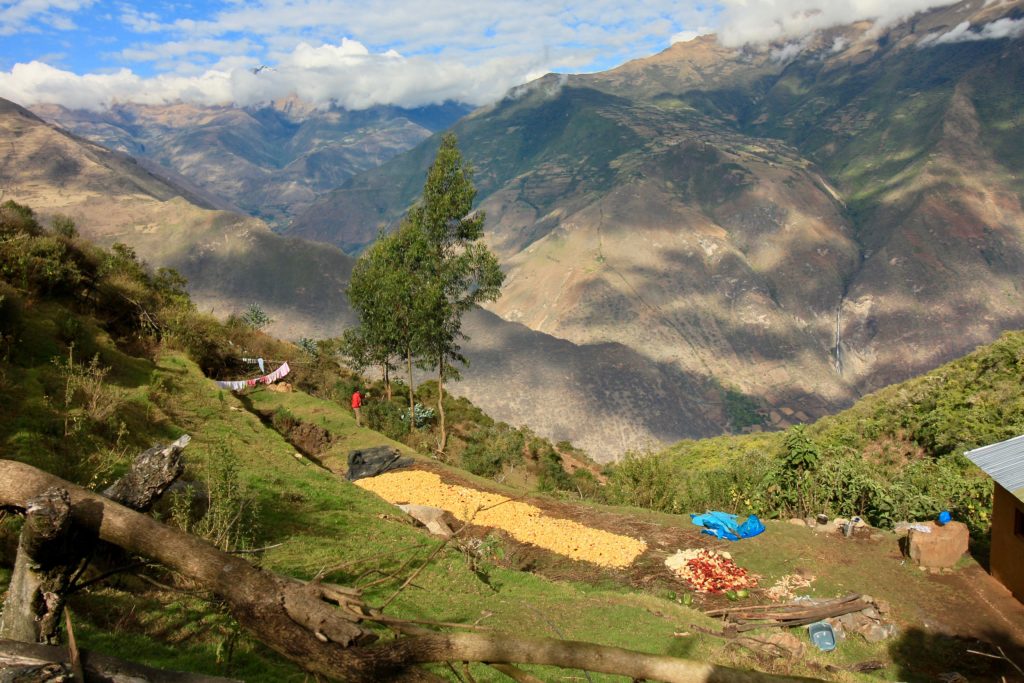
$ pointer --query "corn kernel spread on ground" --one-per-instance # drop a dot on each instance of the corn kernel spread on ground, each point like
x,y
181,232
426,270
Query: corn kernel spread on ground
x,y
525,523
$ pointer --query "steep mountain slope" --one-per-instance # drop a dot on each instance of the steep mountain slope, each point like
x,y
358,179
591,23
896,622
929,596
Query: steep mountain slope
x,y
225,255
605,398
269,161
804,228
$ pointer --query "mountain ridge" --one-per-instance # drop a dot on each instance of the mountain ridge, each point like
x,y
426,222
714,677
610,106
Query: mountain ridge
x,y
270,160
783,223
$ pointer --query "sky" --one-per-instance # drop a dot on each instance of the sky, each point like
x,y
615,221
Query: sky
x,y
94,53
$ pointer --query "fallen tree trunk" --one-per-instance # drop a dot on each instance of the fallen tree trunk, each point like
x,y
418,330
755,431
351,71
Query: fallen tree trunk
x,y
17,657
324,628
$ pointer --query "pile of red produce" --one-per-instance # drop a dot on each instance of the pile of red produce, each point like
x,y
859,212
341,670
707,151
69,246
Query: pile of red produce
x,y
713,572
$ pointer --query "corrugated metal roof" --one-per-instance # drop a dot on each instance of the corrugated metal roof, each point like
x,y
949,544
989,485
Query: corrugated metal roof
x,y
1003,461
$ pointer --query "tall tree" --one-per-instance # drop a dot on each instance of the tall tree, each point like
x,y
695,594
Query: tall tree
x,y
461,271
386,291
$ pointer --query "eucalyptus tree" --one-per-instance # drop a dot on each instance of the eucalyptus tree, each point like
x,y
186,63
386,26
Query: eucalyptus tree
x,y
386,292
462,271
413,286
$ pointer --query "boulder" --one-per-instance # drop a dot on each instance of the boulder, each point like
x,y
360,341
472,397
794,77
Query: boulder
x,y
430,517
941,548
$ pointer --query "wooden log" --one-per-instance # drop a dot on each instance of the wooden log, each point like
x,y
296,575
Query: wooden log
x,y
18,657
47,557
35,599
809,618
782,609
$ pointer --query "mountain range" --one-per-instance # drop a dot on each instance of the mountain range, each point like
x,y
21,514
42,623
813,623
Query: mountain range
x,y
802,222
687,237
269,161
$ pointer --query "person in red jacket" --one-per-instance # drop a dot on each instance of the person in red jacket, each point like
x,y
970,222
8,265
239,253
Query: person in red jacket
x,y
357,403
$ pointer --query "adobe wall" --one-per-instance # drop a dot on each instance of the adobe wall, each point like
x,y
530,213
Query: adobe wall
x,y
1007,560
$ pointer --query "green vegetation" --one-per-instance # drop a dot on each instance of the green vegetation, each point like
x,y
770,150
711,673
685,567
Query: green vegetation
x,y
412,287
255,317
895,455
84,388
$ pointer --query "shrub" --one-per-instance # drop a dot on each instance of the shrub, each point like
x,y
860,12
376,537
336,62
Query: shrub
x,y
230,518
87,396
255,317
421,415
481,460
386,418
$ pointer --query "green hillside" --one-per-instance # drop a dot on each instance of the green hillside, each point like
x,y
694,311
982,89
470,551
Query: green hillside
x,y
895,455
100,358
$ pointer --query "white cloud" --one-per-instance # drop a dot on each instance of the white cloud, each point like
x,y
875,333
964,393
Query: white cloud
x,y
1001,28
686,36
759,21
405,52
346,73
17,16
787,52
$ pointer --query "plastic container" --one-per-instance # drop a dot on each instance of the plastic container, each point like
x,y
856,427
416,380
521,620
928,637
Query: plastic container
x,y
822,635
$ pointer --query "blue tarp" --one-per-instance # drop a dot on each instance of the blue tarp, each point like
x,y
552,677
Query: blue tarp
x,y
724,525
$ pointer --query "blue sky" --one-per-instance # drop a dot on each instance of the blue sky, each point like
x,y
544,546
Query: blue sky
x,y
90,53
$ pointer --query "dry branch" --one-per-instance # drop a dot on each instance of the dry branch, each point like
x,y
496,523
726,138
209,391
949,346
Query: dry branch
x,y
321,627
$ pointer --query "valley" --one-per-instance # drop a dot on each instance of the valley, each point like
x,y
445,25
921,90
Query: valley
x,y
742,401
786,234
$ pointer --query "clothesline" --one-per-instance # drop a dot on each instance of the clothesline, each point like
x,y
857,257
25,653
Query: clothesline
x,y
238,385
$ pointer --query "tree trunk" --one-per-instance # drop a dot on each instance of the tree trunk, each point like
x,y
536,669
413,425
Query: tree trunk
x,y
412,394
151,475
386,368
320,627
42,571
443,440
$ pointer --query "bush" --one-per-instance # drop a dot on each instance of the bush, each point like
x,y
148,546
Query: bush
x,y
421,415
480,460
491,448
255,317
386,418
87,396
12,318
230,518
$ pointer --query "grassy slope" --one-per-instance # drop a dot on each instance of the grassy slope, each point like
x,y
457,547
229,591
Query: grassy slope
x,y
908,437
323,520
320,519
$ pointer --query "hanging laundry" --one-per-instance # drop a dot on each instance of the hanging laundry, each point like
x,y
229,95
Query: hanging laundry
x,y
238,385
255,361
